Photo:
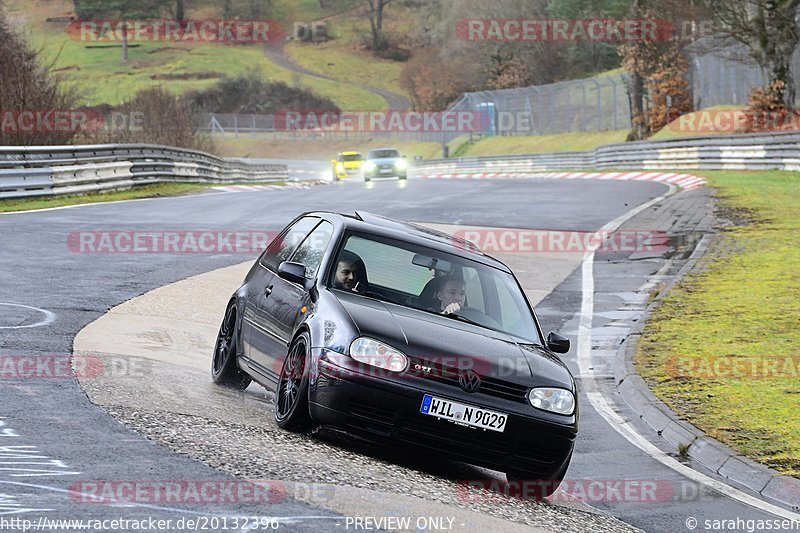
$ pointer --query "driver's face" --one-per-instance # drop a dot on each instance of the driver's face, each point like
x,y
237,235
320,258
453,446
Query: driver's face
x,y
452,292
346,275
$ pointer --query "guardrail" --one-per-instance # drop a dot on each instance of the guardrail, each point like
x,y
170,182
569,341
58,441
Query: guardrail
x,y
27,171
728,152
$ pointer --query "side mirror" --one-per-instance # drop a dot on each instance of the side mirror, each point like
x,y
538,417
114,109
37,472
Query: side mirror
x,y
333,161
557,343
293,272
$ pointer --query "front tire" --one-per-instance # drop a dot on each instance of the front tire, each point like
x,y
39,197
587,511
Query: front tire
x,y
291,398
225,370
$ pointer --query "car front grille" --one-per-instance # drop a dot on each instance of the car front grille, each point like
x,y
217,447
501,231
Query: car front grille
x,y
536,454
474,445
449,375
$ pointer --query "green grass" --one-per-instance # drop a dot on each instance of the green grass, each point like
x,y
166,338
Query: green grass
x,y
343,57
562,142
683,126
268,147
146,191
743,303
100,76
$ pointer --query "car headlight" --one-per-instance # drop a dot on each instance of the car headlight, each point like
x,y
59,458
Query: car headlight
x,y
376,353
369,166
401,164
339,166
559,401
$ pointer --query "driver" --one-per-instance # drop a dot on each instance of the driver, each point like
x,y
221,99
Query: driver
x,y
347,273
451,295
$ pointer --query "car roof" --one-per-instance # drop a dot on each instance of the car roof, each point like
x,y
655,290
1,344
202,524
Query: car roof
x,y
350,153
384,149
365,222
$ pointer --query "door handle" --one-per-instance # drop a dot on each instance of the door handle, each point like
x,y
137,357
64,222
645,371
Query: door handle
x,y
268,291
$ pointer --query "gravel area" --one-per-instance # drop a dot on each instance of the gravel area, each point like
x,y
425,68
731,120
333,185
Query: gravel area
x,y
338,462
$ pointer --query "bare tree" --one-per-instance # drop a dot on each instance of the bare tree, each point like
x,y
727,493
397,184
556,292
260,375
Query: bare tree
x,y
28,85
769,28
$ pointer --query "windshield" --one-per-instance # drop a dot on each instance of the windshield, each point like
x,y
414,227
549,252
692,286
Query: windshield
x,y
382,154
353,157
433,281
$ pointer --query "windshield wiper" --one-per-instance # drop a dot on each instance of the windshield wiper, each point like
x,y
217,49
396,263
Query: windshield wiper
x,y
467,320
381,297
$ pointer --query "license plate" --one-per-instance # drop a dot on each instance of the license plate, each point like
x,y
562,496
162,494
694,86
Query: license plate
x,y
463,414
386,170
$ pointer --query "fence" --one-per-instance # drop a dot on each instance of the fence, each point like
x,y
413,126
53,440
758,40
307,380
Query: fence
x,y
59,170
260,126
591,104
722,152
723,73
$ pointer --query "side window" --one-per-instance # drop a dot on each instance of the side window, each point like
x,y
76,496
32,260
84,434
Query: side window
x,y
311,250
282,247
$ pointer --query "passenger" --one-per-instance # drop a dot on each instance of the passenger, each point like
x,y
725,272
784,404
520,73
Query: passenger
x,y
451,295
349,272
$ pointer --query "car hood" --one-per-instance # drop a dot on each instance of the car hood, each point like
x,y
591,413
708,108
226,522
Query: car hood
x,y
437,339
386,160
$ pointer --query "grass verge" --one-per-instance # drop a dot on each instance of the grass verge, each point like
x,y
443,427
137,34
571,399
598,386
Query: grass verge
x,y
561,142
146,191
723,348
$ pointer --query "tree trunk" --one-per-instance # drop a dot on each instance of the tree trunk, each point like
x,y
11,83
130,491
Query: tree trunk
x,y
638,127
124,42
376,22
180,11
636,90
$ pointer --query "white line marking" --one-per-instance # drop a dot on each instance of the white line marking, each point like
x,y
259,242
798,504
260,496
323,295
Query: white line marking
x,y
601,403
145,505
49,317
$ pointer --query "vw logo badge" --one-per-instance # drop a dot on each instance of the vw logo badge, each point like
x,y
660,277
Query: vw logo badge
x,y
469,381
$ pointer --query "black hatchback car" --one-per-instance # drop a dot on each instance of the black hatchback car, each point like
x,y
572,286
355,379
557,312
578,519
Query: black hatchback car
x,y
396,332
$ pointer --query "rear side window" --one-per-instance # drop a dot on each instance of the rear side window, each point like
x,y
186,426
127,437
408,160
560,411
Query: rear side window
x,y
280,249
311,250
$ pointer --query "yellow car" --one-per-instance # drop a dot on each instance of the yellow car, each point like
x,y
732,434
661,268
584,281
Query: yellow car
x,y
347,164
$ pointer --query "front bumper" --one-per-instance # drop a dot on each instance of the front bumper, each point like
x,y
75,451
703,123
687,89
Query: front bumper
x,y
347,173
385,173
381,410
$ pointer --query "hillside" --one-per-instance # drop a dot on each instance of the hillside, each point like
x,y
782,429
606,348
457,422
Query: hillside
x,y
102,78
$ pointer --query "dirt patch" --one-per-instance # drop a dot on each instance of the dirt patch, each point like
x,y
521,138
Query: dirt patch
x,y
169,49
187,76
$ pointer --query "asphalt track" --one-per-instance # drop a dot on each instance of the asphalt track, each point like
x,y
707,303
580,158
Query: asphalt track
x,y
70,440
